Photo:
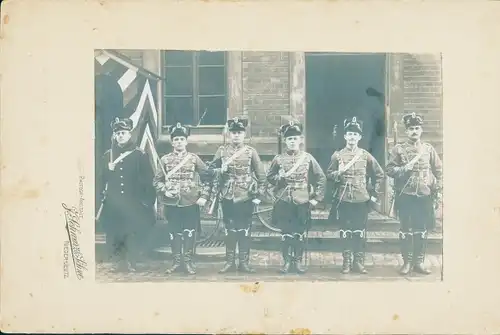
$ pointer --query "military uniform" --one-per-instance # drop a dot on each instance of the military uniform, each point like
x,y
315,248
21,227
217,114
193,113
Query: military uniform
x,y
351,203
291,173
417,172
238,187
181,210
128,197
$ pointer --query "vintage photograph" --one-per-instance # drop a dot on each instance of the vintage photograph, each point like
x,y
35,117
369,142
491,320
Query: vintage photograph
x,y
216,165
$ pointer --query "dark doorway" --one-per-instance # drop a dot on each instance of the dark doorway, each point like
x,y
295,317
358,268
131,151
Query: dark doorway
x,y
340,86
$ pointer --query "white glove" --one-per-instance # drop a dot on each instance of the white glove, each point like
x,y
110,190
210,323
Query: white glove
x,y
201,202
313,202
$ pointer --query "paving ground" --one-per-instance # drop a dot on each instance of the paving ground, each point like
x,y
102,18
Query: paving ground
x,y
323,266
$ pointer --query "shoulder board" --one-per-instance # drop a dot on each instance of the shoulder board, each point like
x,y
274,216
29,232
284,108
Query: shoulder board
x,y
140,150
251,148
399,145
365,153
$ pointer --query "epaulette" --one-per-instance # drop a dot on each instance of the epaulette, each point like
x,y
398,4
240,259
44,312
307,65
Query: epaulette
x,y
399,145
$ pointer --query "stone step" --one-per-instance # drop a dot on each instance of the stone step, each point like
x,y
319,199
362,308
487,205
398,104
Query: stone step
x,y
377,242
313,259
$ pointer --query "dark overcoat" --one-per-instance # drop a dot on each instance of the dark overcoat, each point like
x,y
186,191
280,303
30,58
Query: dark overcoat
x,y
128,193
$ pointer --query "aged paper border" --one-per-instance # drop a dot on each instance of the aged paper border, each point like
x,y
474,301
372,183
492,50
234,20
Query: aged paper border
x,y
47,144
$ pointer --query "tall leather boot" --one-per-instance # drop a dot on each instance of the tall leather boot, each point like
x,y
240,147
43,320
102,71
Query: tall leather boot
x,y
231,239
359,244
419,245
121,251
244,242
346,237
298,253
286,245
189,241
176,246
406,241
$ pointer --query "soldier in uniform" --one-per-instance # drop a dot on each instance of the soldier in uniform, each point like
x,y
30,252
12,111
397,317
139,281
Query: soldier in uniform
x,y
239,190
128,196
291,173
350,169
417,172
178,190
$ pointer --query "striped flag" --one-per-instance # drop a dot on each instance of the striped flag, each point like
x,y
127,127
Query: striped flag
x,y
139,98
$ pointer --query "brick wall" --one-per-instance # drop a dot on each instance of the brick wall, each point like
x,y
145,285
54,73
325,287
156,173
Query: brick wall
x,y
423,93
265,87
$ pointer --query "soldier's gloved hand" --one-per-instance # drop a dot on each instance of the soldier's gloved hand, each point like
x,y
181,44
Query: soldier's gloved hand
x,y
313,202
111,167
256,201
408,167
281,174
338,176
223,168
168,194
201,202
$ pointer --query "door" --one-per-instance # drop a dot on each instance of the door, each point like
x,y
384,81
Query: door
x,y
340,86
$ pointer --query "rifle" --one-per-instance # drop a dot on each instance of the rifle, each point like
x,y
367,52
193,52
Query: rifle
x,y
99,212
280,139
218,178
392,210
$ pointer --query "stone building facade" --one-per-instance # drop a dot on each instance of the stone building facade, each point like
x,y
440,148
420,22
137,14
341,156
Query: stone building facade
x,y
319,89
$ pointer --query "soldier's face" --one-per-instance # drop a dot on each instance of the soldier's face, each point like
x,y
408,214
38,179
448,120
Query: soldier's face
x,y
293,142
352,137
237,137
414,132
122,136
179,143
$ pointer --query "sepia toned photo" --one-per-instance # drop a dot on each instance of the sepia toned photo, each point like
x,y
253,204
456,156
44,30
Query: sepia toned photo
x,y
249,167
264,165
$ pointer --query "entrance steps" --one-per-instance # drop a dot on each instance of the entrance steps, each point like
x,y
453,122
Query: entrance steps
x,y
382,237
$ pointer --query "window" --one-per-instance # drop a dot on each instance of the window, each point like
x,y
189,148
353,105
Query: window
x,y
195,90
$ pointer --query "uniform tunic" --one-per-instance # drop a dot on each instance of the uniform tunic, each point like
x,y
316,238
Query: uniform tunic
x,y
352,194
128,209
415,188
181,210
291,210
243,181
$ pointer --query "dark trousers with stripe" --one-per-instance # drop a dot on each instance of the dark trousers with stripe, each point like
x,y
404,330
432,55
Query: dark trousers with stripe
x,y
416,215
353,217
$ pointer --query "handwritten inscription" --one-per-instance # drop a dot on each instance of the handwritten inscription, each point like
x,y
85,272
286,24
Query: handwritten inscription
x,y
72,217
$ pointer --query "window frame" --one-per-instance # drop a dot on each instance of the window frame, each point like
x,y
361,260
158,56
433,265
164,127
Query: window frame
x,y
195,65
